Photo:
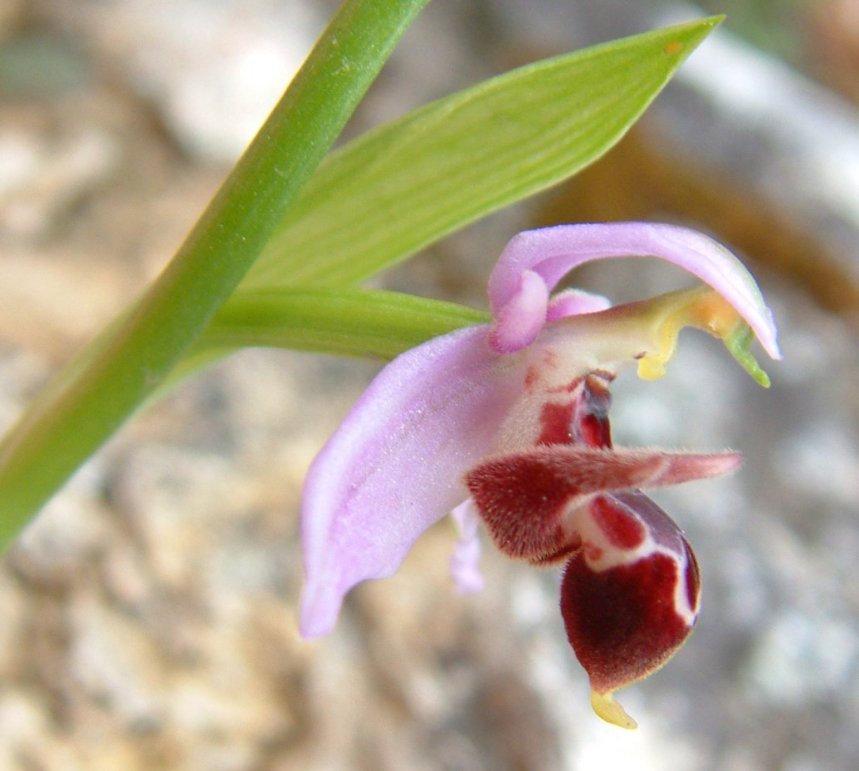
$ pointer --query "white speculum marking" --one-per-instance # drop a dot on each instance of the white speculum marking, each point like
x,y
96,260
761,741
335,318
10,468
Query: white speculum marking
x,y
601,555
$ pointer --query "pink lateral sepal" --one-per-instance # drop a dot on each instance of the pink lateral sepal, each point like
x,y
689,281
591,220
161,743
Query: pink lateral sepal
x,y
395,465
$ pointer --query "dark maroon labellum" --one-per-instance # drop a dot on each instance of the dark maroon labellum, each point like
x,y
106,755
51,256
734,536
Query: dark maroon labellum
x,y
629,595
624,622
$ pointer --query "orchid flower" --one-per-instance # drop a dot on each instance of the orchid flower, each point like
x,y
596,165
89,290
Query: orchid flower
x,y
505,426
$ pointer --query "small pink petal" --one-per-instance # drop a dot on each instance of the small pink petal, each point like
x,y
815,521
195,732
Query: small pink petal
x,y
465,562
394,466
520,320
572,302
554,251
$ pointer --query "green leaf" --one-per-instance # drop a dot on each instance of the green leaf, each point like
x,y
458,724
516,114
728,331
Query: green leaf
x,y
395,189
398,188
351,322
116,373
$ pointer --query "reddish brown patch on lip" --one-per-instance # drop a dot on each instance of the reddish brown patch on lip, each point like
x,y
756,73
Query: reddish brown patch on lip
x,y
522,503
621,622
617,523
525,497
555,423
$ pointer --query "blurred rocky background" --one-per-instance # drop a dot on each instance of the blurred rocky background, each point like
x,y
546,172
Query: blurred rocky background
x,y
148,616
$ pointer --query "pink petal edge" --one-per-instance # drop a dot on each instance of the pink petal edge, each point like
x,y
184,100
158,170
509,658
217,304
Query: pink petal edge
x,y
394,466
519,321
554,251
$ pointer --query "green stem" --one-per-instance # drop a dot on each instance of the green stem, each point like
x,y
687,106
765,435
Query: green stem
x,y
114,375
